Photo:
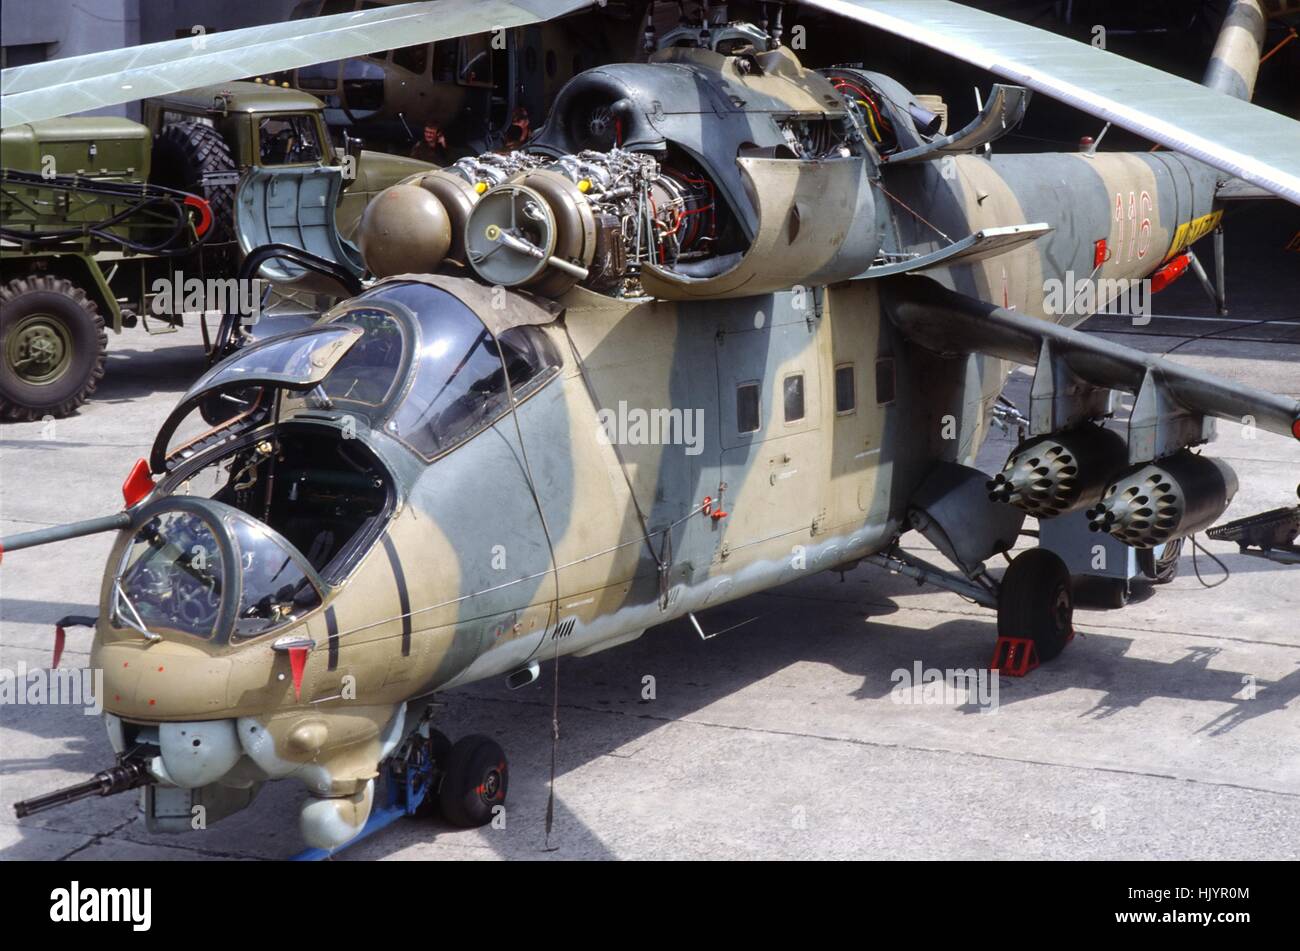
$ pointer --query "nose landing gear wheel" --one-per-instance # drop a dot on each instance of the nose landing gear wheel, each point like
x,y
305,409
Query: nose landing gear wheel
x,y
1036,602
475,782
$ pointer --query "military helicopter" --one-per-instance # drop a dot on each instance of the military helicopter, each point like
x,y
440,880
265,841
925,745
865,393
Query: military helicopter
x,y
489,456
473,88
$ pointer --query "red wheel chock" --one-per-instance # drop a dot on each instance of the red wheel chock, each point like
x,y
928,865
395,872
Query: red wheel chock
x,y
1014,656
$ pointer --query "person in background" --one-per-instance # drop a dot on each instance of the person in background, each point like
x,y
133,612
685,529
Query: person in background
x,y
519,131
432,147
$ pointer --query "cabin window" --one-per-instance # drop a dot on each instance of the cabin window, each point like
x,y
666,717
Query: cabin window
x,y
414,58
747,408
368,373
274,590
846,397
444,60
792,395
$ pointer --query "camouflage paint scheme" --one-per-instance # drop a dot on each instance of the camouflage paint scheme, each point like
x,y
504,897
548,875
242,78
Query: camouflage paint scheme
x,y
583,524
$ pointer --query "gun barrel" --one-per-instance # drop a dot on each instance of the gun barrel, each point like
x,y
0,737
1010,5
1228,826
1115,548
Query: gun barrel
x,y
115,779
58,533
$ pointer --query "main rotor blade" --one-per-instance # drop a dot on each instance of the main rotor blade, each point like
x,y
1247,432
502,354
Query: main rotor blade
x,y
1237,137
67,86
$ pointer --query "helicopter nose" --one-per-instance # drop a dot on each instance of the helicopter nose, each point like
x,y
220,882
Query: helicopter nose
x,y
143,680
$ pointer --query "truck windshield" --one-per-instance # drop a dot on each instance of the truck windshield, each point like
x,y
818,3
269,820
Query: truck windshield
x,y
289,140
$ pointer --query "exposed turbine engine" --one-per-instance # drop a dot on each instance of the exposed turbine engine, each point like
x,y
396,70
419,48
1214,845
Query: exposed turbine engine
x,y
545,224
1170,498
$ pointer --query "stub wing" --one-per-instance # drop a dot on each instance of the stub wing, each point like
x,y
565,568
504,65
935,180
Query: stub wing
x,y
1172,398
1237,137
68,86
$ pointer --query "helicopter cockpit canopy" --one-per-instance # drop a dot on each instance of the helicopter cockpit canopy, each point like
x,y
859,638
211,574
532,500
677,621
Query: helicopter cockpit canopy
x,y
407,357
430,371
328,418
204,569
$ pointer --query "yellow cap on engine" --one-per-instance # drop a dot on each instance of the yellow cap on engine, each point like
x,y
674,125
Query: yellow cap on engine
x,y
584,185
480,187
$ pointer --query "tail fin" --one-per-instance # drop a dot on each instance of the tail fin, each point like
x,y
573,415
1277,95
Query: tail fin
x,y
1234,64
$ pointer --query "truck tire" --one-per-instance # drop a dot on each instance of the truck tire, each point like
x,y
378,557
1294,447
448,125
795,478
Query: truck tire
x,y
52,343
185,152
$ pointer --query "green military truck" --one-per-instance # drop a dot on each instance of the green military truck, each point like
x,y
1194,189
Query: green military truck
x,y
203,135
82,236
64,282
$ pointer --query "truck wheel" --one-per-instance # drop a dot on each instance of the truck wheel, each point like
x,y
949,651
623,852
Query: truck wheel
x,y
52,343
1036,601
475,781
182,155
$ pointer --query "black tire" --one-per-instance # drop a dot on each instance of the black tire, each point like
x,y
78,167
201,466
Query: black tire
x,y
1118,593
1164,569
52,348
440,749
185,152
1036,601
475,781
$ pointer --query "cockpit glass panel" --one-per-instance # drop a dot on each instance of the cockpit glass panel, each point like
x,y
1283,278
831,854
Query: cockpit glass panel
x,y
274,588
460,383
172,579
427,368
457,392
294,360
369,372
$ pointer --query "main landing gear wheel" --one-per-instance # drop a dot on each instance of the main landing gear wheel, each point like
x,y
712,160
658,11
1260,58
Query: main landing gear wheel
x,y
475,781
1035,602
52,343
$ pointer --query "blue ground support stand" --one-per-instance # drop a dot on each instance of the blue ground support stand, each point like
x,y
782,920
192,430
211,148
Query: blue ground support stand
x,y
406,780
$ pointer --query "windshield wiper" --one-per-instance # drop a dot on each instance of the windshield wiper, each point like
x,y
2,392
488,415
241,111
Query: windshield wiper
x,y
120,597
